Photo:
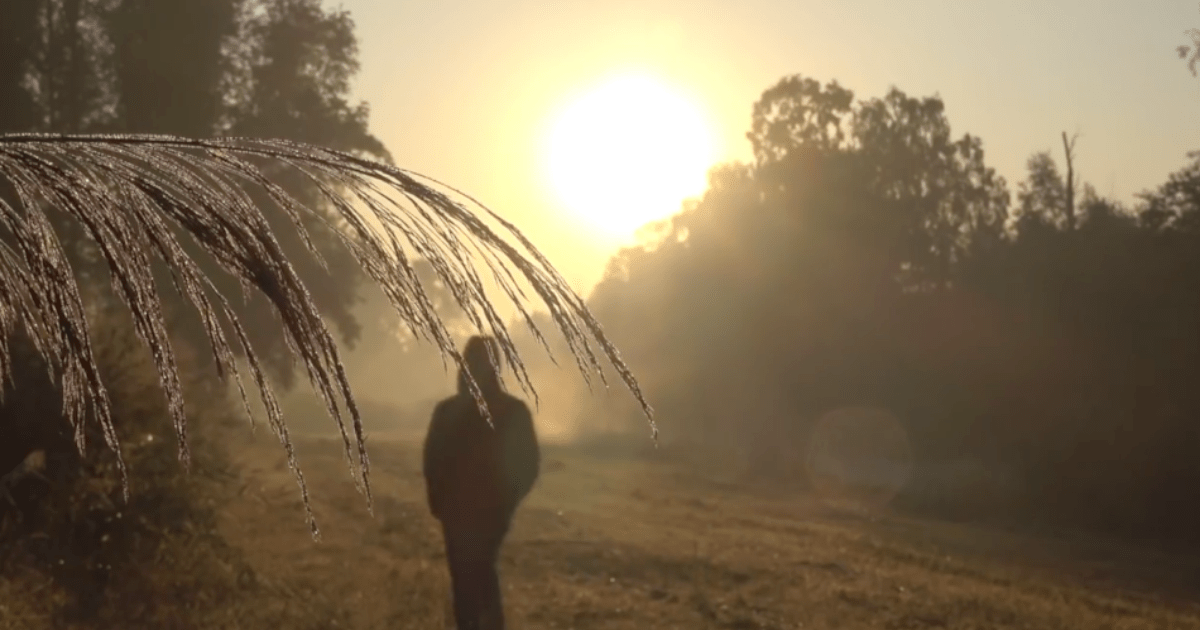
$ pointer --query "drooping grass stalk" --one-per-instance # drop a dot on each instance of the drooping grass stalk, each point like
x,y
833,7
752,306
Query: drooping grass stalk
x,y
134,194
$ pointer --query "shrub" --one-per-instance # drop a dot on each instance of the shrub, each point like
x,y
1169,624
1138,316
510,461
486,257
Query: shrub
x,y
70,542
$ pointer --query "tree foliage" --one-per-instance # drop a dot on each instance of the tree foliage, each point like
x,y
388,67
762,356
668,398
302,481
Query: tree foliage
x,y
870,257
1190,52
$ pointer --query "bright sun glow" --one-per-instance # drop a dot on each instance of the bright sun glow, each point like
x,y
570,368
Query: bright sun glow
x,y
628,152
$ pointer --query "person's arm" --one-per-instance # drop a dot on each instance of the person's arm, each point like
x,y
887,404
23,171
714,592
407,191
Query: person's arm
x,y
435,455
523,454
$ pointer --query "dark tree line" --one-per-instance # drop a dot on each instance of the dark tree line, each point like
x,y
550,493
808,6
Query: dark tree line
x,y
868,256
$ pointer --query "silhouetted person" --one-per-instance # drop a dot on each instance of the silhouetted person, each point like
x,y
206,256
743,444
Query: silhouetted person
x,y
476,475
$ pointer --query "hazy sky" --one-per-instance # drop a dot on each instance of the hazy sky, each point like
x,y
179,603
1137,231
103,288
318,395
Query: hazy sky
x,y
463,90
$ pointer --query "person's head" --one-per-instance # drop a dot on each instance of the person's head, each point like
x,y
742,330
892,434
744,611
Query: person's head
x,y
475,355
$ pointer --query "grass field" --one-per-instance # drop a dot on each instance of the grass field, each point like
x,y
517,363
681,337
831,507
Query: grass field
x,y
605,542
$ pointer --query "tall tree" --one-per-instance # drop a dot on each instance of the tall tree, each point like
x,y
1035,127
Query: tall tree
x,y
295,65
299,60
256,68
19,46
938,189
798,112
55,79
1042,197
172,63
71,69
1069,155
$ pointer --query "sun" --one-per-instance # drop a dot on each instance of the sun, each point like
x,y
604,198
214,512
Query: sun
x,y
627,152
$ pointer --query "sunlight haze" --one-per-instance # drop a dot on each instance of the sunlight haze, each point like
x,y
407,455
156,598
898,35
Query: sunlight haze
x,y
626,152
464,90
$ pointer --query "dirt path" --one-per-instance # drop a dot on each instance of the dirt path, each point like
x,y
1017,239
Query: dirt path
x,y
608,544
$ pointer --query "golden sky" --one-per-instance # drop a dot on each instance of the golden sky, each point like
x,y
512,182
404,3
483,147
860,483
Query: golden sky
x,y
467,91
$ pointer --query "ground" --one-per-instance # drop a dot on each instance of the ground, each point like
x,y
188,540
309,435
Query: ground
x,y
608,542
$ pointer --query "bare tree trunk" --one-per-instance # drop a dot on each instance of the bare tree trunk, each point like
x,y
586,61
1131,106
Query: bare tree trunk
x,y
1069,149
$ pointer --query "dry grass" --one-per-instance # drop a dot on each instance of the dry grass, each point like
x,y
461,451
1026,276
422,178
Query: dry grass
x,y
612,544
